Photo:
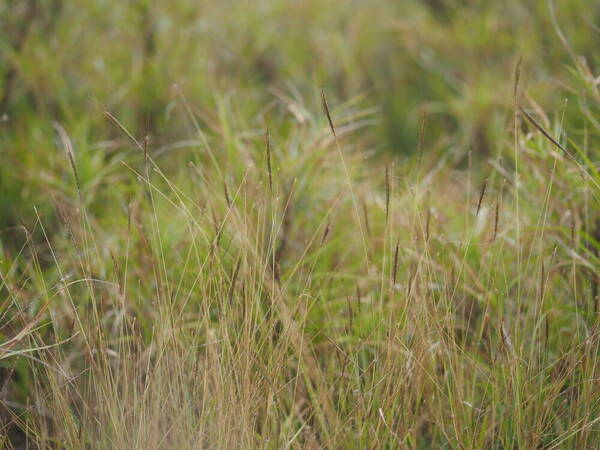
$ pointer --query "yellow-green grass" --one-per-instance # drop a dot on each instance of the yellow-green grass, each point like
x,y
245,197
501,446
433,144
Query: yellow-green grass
x,y
299,225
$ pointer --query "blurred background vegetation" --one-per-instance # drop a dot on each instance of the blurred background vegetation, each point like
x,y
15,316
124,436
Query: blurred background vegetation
x,y
66,62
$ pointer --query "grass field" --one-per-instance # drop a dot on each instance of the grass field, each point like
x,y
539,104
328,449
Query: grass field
x,y
312,224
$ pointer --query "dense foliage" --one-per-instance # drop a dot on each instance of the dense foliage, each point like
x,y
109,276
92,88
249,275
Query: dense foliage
x,y
310,224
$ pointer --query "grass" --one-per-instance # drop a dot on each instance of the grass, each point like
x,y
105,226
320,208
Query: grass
x,y
299,225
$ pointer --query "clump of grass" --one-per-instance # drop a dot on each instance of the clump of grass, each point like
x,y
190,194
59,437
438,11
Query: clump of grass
x,y
194,338
190,306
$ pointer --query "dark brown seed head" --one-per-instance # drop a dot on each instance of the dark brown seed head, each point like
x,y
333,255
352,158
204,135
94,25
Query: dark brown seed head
x,y
325,233
227,198
421,138
482,193
327,113
395,270
268,149
517,79
387,193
